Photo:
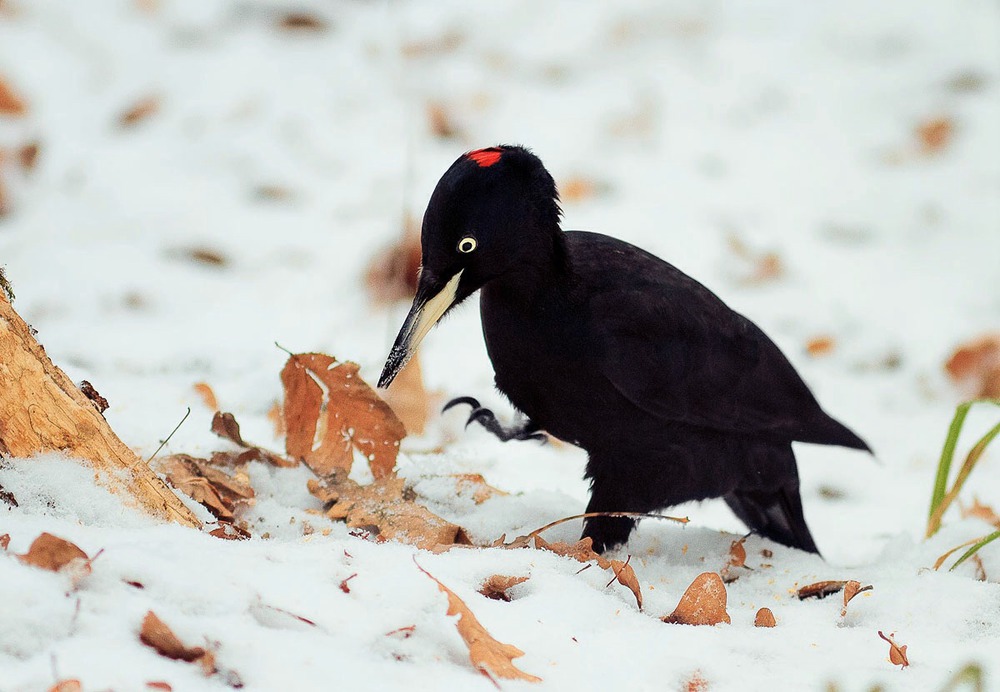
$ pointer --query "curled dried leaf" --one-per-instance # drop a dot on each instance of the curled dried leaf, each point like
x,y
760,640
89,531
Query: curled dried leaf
x,y
4,541
139,111
851,589
156,634
981,511
477,485
204,390
625,575
897,653
496,586
703,603
487,654
820,589
764,618
219,492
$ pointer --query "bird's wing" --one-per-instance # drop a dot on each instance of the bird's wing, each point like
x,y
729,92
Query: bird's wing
x,y
676,351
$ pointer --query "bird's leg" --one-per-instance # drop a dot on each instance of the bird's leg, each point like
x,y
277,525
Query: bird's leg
x,y
525,430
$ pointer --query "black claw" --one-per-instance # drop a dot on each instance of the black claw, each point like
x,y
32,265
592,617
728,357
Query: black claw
x,y
474,403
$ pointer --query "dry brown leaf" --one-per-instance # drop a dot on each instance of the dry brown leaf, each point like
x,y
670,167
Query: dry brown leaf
x,y
230,532
496,586
980,511
578,189
822,345
704,603
387,509
820,589
159,685
392,273
737,558
4,541
139,111
935,134
764,618
487,654
975,366
213,488
474,482
440,45
156,634
851,589
302,21
10,102
441,122
581,551
408,398
696,683
72,685
330,410
27,155
761,267
53,553
897,653
225,426
204,390
625,576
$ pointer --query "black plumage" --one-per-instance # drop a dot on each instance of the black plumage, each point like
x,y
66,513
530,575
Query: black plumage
x,y
673,395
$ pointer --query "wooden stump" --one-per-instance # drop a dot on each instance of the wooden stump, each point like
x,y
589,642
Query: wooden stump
x,y
41,410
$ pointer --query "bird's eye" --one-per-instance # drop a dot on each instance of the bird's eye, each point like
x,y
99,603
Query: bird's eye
x,y
467,244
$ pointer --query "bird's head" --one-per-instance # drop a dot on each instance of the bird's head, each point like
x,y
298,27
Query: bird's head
x,y
494,211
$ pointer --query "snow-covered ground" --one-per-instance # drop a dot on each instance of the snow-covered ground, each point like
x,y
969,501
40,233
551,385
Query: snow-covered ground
x,y
296,154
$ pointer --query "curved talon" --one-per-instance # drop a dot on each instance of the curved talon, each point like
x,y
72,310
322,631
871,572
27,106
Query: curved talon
x,y
474,403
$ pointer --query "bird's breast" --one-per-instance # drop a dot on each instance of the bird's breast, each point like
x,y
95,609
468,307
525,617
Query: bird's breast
x,y
544,361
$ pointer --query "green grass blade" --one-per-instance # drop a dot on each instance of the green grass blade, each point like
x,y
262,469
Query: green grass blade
x,y
975,548
944,466
963,475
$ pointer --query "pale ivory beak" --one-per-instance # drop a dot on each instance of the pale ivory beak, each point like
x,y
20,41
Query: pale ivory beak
x,y
424,314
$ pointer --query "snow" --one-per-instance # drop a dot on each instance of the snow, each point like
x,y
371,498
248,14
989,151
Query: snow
x,y
791,126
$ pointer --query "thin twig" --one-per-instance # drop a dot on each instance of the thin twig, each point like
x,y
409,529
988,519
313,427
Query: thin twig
x,y
587,515
164,443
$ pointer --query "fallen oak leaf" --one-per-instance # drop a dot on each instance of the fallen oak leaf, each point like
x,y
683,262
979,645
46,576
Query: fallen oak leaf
x,y
225,425
211,487
737,558
975,366
486,653
496,586
897,653
53,553
625,576
703,603
386,508
851,589
820,589
156,634
329,410
764,618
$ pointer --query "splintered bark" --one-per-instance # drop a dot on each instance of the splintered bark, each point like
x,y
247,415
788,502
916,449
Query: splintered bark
x,y
41,410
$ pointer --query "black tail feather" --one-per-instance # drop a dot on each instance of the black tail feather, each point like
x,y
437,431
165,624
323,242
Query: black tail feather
x,y
775,514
